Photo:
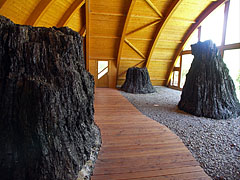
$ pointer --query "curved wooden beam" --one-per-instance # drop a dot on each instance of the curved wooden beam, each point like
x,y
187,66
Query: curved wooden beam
x,y
38,12
77,4
82,32
124,34
199,20
87,25
2,2
162,24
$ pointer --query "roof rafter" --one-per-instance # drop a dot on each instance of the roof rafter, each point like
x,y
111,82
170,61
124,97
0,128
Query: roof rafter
x,y
143,27
134,48
82,32
199,20
87,24
38,12
77,4
162,24
2,3
124,34
154,7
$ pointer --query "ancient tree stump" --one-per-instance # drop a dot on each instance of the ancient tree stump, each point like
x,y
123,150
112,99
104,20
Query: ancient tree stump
x,y
209,90
47,130
138,81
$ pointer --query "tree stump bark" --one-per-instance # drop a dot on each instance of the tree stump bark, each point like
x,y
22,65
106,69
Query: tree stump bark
x,y
209,90
47,129
138,81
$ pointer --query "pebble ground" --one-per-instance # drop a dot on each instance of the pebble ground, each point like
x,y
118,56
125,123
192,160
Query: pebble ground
x,y
215,144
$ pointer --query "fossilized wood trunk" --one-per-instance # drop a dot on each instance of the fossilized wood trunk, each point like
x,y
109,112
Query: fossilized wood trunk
x,y
138,81
47,130
209,90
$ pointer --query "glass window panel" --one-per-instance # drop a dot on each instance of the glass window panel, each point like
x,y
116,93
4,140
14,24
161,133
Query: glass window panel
x,y
233,24
101,74
102,65
175,78
186,64
212,26
102,68
193,40
232,60
178,62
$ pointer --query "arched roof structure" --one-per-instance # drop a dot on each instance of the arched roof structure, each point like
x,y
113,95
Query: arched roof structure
x,y
126,33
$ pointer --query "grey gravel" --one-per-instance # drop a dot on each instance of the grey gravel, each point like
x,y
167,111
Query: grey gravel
x,y
215,144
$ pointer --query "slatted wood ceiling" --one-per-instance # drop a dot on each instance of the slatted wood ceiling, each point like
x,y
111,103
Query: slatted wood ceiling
x,y
128,33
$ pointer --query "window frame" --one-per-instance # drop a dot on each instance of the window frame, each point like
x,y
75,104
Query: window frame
x,y
223,47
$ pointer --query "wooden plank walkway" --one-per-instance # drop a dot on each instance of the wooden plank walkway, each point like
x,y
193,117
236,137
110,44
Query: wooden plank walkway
x,y
137,147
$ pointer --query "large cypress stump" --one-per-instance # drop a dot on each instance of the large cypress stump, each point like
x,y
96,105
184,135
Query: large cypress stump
x,y
209,90
138,81
47,130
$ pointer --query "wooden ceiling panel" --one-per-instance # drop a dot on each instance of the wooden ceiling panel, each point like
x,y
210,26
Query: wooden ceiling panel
x,y
72,9
119,7
128,52
76,22
154,34
127,64
103,48
167,44
141,26
145,34
162,5
142,8
141,45
162,54
157,75
18,11
171,36
58,8
160,64
103,25
189,11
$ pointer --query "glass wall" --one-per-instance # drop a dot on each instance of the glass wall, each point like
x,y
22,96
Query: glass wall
x,y
232,60
186,64
227,41
233,23
211,27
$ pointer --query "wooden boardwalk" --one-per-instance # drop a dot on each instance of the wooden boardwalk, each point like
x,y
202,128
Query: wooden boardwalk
x,y
137,147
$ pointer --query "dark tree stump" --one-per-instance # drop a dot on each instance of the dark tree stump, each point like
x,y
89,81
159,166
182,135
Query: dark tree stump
x,y
138,81
47,130
209,90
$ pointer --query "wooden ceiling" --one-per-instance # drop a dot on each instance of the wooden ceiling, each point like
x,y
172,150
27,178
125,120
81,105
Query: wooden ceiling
x,y
127,33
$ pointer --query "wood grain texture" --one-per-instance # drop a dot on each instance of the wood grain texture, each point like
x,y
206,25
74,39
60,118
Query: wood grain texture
x,y
188,33
136,147
38,12
2,2
162,25
77,4
148,25
124,33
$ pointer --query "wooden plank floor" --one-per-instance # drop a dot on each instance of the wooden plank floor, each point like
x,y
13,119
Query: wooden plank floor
x,y
137,147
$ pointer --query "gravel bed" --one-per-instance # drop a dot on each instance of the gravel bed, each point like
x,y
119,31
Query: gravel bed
x,y
215,144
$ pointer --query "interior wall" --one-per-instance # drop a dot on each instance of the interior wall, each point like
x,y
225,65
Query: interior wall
x,y
112,71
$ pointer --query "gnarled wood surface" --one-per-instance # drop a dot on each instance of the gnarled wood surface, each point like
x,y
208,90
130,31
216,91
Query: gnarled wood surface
x,y
136,147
